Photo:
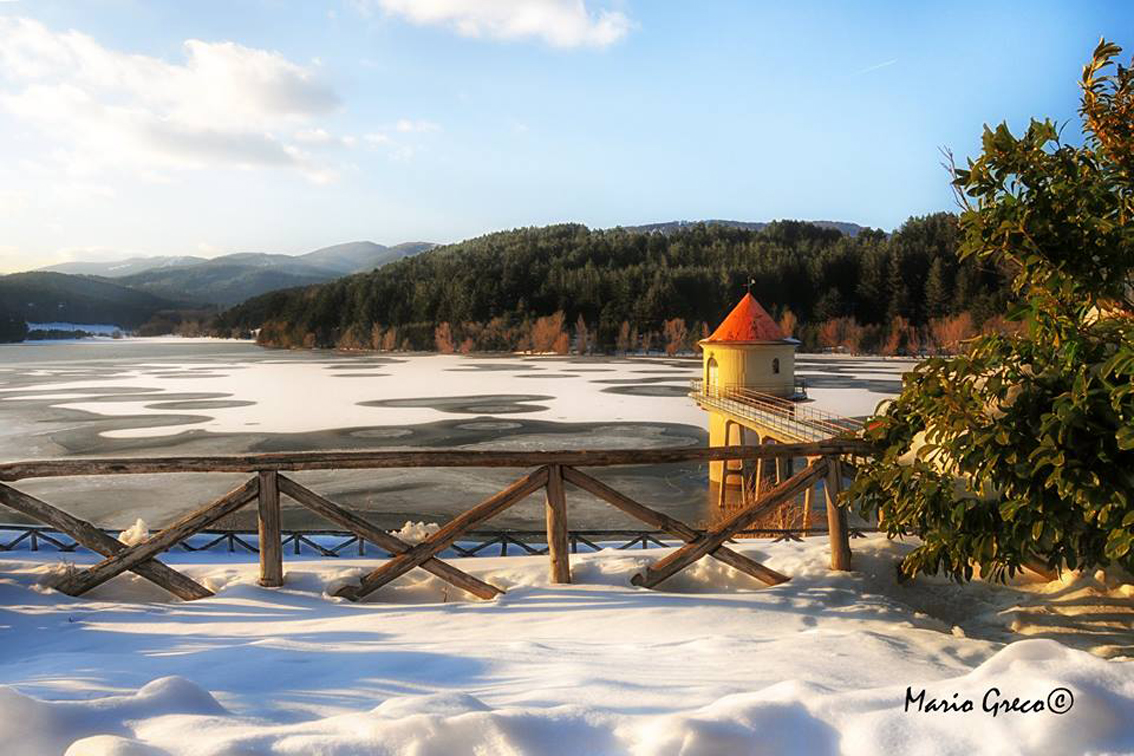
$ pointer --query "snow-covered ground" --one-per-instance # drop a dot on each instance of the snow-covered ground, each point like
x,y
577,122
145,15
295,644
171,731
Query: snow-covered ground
x,y
715,664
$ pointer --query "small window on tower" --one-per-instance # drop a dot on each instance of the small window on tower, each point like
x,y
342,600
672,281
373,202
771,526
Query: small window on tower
x,y
776,365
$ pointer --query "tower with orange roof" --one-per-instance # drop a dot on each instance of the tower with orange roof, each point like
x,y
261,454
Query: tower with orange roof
x,y
748,353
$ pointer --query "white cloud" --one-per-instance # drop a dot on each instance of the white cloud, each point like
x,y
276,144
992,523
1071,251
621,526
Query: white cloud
x,y
403,145
403,153
95,254
223,106
13,202
875,67
11,259
406,125
314,136
560,23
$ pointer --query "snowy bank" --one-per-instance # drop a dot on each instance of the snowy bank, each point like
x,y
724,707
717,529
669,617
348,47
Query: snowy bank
x,y
827,663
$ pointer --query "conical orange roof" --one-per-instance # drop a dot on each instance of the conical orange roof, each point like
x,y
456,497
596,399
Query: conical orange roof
x,y
748,322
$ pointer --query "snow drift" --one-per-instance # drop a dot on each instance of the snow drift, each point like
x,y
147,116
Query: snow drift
x,y
715,664
173,716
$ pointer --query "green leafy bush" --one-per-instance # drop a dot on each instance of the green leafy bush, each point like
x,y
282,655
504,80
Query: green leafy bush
x,y
1021,449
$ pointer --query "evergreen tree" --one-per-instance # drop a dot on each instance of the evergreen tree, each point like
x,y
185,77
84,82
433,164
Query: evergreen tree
x,y
898,286
937,294
13,328
872,291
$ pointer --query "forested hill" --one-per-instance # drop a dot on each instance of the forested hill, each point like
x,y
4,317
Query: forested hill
x,y
668,227
41,296
621,289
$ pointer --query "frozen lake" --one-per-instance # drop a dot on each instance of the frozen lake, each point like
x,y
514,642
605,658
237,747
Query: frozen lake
x,y
191,397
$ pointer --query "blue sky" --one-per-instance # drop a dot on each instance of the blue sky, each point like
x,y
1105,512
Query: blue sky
x,y
131,127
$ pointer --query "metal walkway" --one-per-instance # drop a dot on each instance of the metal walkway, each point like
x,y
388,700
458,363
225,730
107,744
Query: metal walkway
x,y
792,422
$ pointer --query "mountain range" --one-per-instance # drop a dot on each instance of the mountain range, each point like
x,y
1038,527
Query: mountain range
x,y
230,279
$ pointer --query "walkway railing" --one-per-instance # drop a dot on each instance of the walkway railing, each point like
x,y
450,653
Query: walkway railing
x,y
553,470
795,422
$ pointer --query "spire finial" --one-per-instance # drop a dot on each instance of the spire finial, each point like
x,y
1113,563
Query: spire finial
x,y
751,281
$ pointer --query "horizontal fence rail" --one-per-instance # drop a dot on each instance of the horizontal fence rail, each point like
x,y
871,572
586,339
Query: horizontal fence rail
x,y
554,471
362,460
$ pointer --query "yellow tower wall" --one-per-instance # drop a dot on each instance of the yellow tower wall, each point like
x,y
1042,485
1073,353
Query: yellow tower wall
x,y
747,365
751,365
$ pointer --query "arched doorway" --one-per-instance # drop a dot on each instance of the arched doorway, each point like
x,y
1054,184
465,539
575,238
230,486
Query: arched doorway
x,y
711,375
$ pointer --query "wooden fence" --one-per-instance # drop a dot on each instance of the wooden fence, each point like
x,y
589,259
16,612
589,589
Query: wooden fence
x,y
553,471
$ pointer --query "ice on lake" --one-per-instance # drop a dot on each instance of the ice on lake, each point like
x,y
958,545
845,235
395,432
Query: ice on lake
x,y
182,396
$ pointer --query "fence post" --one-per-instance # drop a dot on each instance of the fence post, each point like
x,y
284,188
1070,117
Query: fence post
x,y
268,521
836,517
558,547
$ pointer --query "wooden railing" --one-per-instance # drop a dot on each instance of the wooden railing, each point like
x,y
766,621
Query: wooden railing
x,y
553,469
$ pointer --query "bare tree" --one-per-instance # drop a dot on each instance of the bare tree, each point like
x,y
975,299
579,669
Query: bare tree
x,y
788,322
582,342
546,332
948,333
675,335
443,338
390,340
623,342
842,332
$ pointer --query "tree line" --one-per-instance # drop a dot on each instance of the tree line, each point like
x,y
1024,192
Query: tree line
x,y
569,288
13,328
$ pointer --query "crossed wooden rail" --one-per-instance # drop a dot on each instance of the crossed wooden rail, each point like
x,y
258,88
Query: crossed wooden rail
x,y
554,469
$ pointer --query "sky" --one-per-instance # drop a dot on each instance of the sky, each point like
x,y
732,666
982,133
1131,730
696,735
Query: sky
x,y
157,128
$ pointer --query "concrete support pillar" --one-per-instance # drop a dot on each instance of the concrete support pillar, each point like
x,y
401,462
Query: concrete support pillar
x,y
761,467
808,500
